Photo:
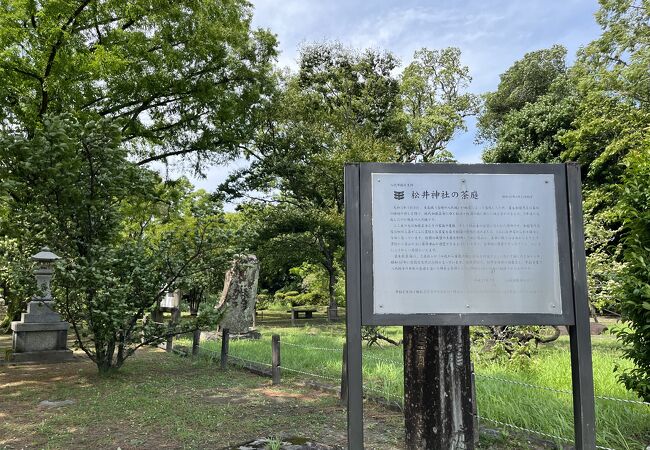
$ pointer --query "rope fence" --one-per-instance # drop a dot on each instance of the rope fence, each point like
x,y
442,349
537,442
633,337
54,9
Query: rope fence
x,y
559,391
372,392
399,363
327,349
310,374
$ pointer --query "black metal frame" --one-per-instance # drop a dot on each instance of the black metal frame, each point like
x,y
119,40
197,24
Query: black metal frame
x,y
573,283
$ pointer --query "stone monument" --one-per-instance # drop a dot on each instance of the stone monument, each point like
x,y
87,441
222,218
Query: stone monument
x,y
41,335
239,295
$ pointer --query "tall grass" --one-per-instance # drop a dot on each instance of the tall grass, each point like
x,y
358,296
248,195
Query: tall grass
x,y
316,352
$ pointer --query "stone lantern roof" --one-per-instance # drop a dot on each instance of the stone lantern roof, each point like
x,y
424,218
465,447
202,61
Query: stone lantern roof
x,y
45,256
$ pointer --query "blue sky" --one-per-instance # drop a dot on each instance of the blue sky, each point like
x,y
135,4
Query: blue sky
x,y
491,35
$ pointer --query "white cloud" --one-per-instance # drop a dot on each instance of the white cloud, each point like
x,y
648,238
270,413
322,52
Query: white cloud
x,y
491,35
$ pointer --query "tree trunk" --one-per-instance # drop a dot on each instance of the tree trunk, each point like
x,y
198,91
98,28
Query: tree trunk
x,y
332,312
437,388
328,263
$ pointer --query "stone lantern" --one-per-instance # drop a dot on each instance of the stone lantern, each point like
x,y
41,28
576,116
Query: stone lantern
x,y
44,271
41,335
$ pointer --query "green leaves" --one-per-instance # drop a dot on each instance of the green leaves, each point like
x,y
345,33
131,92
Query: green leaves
x,y
434,103
635,280
126,238
534,104
178,78
598,114
93,90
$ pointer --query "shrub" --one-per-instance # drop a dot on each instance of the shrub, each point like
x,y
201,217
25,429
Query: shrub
x,y
635,281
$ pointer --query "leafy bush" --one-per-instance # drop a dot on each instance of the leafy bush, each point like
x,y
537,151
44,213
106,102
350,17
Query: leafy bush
x,y
635,282
295,298
264,300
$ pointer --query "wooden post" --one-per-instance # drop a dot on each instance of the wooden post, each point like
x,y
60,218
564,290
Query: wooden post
x,y
176,316
275,363
437,388
474,406
344,376
293,317
170,340
196,341
225,338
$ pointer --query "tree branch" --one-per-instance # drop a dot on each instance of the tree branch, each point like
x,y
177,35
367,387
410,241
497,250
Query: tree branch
x,y
55,48
166,155
23,72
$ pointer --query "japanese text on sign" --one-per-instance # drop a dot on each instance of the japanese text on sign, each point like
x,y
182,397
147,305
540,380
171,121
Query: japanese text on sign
x,y
465,243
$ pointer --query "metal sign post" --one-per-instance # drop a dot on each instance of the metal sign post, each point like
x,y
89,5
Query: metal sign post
x,y
503,242
584,409
353,311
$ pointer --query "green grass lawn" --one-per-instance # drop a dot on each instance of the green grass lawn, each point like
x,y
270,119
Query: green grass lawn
x,y
316,349
161,401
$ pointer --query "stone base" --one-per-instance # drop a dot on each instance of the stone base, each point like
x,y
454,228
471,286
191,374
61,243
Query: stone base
x,y
45,356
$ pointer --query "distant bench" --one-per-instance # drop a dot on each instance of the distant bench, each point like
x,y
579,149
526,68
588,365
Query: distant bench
x,y
307,313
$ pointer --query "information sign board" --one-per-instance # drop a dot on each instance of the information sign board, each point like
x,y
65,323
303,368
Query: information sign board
x,y
460,243
465,244
479,244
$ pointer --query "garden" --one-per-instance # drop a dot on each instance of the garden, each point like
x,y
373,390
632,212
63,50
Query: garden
x,y
112,113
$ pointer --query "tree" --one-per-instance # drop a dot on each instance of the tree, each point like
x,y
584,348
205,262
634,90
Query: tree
x,y
16,282
345,106
92,90
534,104
339,107
611,136
527,120
523,83
110,277
195,224
635,280
434,103
612,121
316,235
177,78
532,133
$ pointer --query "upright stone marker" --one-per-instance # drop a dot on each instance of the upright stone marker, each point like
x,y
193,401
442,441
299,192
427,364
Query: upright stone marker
x,y
240,294
41,335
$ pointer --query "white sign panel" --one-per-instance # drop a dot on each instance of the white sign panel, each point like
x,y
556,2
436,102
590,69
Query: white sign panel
x,y
170,300
465,243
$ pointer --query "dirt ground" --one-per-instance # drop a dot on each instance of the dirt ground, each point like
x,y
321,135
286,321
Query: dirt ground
x,y
162,401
